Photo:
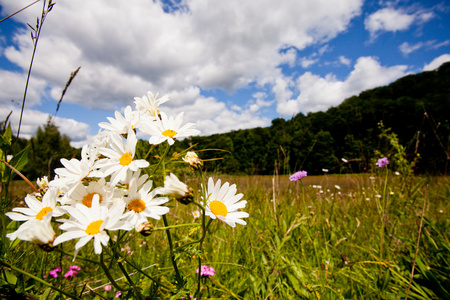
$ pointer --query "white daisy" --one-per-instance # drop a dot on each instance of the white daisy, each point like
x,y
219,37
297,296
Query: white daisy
x,y
122,124
37,209
223,203
120,158
149,104
142,204
88,223
84,194
196,214
180,191
74,170
37,231
167,129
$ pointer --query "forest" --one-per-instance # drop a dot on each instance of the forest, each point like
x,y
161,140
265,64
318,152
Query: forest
x,y
410,115
415,109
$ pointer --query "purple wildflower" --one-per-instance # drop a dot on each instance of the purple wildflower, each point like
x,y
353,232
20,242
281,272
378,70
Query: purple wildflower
x,y
206,271
54,272
70,274
382,162
118,294
298,175
74,268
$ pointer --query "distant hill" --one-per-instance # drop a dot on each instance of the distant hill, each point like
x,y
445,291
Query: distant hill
x,y
415,107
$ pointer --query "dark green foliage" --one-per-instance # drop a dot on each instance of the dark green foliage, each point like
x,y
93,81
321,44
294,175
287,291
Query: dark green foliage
x,y
415,107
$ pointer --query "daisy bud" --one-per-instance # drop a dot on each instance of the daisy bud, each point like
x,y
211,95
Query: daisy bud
x,y
193,160
180,191
145,228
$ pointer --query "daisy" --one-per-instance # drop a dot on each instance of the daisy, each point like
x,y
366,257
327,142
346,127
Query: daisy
x,y
223,203
167,129
122,124
180,191
142,204
75,170
149,104
84,194
37,209
89,223
120,158
39,232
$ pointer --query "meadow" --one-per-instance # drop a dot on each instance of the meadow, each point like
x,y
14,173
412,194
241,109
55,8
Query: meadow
x,y
357,236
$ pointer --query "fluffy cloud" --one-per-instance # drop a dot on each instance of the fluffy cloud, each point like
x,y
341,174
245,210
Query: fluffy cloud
x,y
319,93
126,49
394,19
437,62
32,119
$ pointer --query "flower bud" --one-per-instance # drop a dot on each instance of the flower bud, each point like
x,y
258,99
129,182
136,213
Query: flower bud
x,y
180,191
193,160
145,228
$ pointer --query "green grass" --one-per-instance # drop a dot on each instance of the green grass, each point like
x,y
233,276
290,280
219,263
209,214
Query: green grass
x,y
303,240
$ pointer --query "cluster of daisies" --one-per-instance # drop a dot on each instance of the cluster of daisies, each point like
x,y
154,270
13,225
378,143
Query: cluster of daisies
x,y
106,191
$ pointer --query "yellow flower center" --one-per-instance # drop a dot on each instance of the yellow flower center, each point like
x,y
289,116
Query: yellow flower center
x,y
169,133
87,200
218,208
94,227
43,212
136,205
126,159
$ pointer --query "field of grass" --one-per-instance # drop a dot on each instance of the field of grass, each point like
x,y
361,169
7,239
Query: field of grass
x,y
325,237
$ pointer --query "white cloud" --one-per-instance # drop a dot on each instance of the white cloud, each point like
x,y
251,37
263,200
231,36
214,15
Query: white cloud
x,y
392,19
406,48
344,60
78,132
437,62
319,93
126,49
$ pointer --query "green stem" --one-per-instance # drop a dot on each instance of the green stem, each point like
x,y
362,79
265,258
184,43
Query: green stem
x,y
38,279
180,281
138,269
384,211
176,226
108,275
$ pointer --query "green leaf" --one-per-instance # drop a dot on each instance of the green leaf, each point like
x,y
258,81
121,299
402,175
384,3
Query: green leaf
x,y
5,139
19,162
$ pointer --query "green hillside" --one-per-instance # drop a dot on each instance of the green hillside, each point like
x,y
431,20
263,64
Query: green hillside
x,y
416,108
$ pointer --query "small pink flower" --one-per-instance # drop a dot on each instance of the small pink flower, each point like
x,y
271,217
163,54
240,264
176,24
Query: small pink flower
x,y
382,162
118,294
54,272
74,268
70,274
108,288
298,175
206,271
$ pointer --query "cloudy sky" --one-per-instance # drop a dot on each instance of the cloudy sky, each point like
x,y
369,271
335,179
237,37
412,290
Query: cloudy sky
x,y
227,64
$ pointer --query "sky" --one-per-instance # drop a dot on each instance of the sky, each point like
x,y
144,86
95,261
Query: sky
x,y
228,65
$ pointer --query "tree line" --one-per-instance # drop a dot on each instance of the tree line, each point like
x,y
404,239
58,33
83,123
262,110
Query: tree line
x,y
348,137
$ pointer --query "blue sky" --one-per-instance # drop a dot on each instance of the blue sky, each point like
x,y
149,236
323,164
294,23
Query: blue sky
x,y
227,64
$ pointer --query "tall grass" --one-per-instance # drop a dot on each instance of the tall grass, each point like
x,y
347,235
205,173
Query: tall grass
x,y
326,248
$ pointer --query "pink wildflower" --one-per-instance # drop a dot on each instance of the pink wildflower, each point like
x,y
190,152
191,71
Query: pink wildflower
x,y
54,272
298,175
382,162
206,271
